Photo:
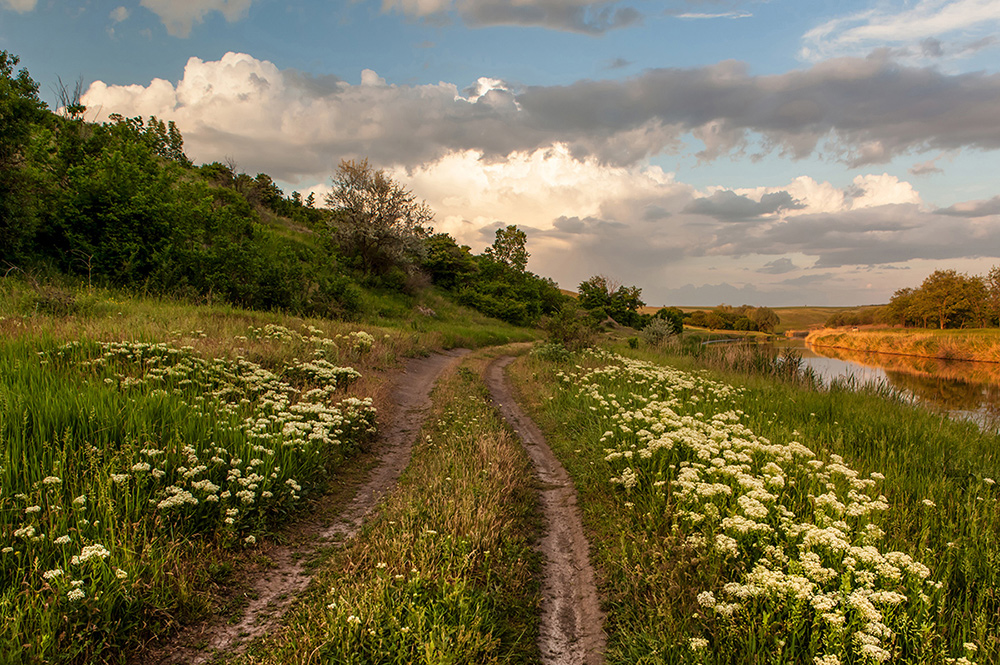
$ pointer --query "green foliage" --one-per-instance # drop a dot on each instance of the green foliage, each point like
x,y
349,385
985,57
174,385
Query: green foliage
x,y
20,111
672,315
376,222
448,264
570,327
552,351
509,248
947,299
744,318
658,331
604,298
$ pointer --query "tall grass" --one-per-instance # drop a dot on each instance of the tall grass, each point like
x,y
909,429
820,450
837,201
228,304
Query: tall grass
x,y
444,573
120,460
750,520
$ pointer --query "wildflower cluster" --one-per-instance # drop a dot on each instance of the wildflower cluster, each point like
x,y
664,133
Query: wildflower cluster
x,y
795,537
217,447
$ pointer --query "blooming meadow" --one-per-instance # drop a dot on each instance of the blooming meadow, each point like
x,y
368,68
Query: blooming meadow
x,y
122,460
719,544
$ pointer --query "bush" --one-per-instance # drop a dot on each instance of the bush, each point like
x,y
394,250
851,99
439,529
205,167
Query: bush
x,y
657,332
551,351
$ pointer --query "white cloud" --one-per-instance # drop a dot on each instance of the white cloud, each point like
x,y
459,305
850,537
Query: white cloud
x,y
118,14
179,16
917,27
19,6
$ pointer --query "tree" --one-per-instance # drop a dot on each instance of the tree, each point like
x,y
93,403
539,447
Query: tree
x,y
448,263
509,248
621,303
376,221
765,318
672,315
944,295
20,110
992,282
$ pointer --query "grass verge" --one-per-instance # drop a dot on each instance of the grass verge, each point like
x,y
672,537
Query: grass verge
x,y
981,345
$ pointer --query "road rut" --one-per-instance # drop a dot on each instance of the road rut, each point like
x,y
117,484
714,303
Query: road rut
x,y
571,631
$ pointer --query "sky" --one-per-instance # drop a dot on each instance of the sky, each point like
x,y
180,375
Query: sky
x,y
762,152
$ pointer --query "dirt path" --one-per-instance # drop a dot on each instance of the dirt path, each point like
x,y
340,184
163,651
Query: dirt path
x,y
278,586
571,631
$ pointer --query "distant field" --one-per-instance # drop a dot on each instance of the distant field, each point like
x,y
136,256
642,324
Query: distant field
x,y
792,318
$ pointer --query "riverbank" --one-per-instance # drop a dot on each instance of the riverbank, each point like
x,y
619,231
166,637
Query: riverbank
x,y
981,345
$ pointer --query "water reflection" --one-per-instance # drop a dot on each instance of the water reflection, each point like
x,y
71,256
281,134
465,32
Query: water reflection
x,y
962,388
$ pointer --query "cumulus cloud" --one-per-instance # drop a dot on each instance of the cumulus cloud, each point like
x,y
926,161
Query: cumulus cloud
x,y
567,164
179,16
861,111
916,27
19,6
118,14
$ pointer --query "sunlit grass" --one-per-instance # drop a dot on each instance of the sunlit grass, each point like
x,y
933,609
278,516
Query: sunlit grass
x,y
980,345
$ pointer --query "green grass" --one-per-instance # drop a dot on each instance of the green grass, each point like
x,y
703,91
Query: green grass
x,y
127,401
444,572
671,525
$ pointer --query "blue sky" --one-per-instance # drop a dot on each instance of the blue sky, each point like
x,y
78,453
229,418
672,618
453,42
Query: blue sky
x,y
781,152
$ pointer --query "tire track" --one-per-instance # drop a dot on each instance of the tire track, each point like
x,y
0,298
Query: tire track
x,y
572,624
274,592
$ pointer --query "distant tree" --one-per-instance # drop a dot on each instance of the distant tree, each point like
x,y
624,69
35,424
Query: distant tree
x,y
622,303
376,221
765,318
674,316
992,283
944,296
311,200
509,248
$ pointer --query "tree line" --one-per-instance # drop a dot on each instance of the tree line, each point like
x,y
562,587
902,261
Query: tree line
x,y
945,299
119,204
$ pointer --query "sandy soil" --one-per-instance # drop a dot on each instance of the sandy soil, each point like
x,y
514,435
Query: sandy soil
x,y
571,631
274,590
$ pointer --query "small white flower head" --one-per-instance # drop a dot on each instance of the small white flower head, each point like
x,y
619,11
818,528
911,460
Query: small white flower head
x,y
698,643
32,509
62,540
51,480
121,574
52,574
929,503
76,594
80,500
250,540
353,620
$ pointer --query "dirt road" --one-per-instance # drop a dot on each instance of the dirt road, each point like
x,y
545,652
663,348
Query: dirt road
x,y
275,590
571,631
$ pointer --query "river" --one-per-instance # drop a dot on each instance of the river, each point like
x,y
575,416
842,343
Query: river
x,y
961,388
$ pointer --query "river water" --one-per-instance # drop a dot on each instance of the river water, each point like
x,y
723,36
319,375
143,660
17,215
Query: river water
x,y
961,388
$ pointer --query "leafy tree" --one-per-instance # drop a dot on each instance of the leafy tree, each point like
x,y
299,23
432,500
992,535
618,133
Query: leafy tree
x,y
945,296
765,318
992,283
448,264
674,316
20,110
509,248
376,221
603,295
